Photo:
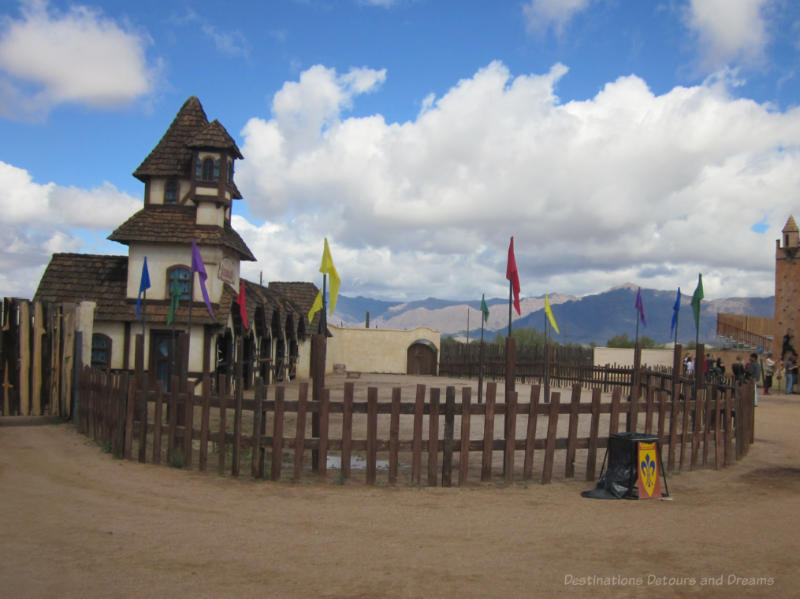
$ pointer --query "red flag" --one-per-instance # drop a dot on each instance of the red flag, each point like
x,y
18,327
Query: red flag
x,y
242,301
512,275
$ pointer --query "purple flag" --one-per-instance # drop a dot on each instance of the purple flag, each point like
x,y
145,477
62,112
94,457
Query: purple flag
x,y
200,269
640,306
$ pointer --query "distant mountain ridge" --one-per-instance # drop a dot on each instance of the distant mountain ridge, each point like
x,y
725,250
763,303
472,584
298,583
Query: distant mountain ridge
x,y
592,318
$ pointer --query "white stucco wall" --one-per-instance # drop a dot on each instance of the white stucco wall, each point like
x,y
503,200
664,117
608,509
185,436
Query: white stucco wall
x,y
160,258
209,213
375,350
156,189
624,356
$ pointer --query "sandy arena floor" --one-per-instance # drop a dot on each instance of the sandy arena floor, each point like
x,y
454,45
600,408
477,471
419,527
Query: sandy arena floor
x,y
74,522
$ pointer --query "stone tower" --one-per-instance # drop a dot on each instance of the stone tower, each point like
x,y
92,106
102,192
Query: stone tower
x,y
787,285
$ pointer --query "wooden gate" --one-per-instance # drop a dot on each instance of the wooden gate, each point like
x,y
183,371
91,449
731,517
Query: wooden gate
x,y
421,358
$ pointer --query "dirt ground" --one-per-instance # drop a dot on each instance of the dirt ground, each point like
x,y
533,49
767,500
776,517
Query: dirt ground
x,y
75,522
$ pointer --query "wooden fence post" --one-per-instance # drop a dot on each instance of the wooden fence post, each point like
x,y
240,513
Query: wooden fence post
x,y
394,436
449,426
530,437
205,418
550,447
488,432
372,434
572,433
463,456
433,437
347,429
594,428
277,435
237,411
322,466
416,446
511,438
300,435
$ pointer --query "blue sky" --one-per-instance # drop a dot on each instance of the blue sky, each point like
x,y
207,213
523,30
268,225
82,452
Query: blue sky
x,y
618,141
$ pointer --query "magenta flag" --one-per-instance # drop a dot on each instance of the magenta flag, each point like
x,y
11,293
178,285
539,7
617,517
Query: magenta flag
x,y
199,268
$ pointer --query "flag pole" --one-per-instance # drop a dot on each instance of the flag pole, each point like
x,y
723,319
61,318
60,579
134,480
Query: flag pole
x,y
480,366
191,301
546,363
144,311
510,297
677,318
323,321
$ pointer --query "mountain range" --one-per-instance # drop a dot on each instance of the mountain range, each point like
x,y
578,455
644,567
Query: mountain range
x,y
591,318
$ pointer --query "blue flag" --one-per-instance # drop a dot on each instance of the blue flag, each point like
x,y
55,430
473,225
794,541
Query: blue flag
x,y
144,285
675,309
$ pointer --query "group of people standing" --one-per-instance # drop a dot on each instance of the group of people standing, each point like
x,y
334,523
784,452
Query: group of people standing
x,y
763,373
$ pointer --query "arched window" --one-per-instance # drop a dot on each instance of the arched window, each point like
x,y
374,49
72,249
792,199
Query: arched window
x,y
101,351
171,192
183,276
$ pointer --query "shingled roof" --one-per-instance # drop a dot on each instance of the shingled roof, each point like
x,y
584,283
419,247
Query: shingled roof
x,y
172,157
214,136
150,224
72,278
302,295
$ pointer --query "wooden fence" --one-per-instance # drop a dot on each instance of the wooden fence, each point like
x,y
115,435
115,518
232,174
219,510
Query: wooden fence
x,y
426,439
560,374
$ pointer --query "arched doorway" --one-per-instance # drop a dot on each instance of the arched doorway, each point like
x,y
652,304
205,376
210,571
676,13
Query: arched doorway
x,y
421,357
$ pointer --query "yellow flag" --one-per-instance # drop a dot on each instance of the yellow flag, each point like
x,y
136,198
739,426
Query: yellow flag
x,y
315,307
549,313
326,267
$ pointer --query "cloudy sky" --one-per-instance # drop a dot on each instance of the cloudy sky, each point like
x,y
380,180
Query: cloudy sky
x,y
616,140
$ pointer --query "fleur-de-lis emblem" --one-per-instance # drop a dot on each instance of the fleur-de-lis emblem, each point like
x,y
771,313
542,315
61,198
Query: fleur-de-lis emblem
x,y
649,471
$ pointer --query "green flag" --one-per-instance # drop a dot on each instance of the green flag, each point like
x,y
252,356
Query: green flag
x,y
174,298
484,309
696,298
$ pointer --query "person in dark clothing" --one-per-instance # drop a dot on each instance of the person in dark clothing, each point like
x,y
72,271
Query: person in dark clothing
x,y
787,344
754,373
738,370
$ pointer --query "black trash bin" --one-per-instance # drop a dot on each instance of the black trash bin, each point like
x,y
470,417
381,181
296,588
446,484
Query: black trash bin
x,y
620,479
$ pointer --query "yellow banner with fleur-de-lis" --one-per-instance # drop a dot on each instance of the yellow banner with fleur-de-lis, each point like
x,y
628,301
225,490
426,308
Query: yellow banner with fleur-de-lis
x,y
649,485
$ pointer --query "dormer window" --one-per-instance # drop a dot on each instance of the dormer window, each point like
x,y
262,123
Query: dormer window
x,y
171,192
208,169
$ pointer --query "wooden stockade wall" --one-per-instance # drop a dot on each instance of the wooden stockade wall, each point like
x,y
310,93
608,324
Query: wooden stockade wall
x,y
426,439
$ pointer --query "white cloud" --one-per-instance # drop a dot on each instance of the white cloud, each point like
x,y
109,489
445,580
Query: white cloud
x,y
729,32
625,186
541,15
48,58
233,42
40,219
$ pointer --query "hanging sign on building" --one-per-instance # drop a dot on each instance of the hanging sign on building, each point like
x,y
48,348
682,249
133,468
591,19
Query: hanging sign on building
x,y
227,272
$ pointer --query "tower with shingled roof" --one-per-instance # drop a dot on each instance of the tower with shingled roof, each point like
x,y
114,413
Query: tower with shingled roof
x,y
189,191
787,284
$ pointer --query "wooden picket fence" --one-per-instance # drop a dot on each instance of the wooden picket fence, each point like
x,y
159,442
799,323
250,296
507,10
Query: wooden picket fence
x,y
424,440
